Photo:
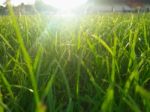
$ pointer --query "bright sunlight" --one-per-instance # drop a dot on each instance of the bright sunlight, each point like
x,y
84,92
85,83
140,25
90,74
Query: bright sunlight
x,y
17,2
65,4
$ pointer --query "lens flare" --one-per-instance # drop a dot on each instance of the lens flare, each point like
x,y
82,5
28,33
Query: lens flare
x,y
65,4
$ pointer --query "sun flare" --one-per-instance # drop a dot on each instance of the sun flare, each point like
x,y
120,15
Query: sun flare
x,y
65,4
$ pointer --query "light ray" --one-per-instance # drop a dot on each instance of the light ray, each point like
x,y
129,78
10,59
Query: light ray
x,y
65,4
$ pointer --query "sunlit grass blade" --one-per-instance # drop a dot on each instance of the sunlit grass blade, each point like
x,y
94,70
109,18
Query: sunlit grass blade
x,y
103,43
22,87
25,53
92,47
132,60
108,101
131,79
114,60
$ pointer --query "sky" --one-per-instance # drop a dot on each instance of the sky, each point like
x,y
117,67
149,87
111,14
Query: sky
x,y
17,2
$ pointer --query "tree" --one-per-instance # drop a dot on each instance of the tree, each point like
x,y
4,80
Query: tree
x,y
7,3
39,5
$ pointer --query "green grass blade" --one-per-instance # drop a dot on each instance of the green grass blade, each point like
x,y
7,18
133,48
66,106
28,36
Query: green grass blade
x,y
1,102
92,78
8,86
6,42
25,54
108,101
103,43
143,92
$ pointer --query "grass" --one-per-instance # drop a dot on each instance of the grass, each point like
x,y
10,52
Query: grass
x,y
85,63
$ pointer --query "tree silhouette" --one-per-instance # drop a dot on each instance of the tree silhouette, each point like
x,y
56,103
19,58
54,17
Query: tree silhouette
x,y
125,1
39,5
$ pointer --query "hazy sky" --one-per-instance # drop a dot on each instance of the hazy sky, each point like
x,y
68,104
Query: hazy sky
x,y
16,2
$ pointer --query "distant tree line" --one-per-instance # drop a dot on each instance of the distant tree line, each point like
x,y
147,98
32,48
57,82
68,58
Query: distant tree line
x,y
125,1
38,7
134,5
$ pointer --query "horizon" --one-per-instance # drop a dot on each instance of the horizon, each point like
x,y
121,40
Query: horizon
x,y
18,2
31,2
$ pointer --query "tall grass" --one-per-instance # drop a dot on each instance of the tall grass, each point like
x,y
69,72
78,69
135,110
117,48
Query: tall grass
x,y
84,64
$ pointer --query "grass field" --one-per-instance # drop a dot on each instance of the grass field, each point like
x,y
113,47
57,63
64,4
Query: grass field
x,y
90,63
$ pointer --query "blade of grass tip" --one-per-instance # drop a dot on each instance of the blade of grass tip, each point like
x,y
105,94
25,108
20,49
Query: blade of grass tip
x,y
8,86
22,87
25,54
103,43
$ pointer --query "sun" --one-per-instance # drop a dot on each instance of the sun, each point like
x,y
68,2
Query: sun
x,y
65,4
